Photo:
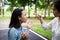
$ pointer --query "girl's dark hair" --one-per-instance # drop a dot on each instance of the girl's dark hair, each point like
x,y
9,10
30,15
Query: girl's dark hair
x,y
57,5
14,18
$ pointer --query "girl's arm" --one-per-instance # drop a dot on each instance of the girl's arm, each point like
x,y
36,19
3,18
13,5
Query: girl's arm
x,y
29,24
24,36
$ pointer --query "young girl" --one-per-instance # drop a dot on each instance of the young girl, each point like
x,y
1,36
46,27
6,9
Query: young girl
x,y
16,31
55,23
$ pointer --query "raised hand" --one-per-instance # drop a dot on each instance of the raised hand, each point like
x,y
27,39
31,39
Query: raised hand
x,y
29,24
38,16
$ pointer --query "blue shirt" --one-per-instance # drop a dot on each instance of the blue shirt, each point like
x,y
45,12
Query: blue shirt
x,y
14,34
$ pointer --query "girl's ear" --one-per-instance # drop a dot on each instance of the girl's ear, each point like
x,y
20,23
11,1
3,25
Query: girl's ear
x,y
19,18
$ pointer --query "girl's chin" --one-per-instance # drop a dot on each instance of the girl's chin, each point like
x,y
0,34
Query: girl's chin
x,y
24,22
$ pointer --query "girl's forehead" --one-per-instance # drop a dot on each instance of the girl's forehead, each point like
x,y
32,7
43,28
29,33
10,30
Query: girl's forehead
x,y
23,12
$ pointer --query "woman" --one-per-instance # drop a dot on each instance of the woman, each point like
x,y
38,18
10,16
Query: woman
x,y
16,31
55,23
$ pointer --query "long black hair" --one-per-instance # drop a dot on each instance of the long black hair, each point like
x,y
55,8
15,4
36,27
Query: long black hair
x,y
14,18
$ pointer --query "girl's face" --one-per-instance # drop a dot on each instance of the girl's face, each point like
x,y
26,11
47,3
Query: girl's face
x,y
56,12
23,17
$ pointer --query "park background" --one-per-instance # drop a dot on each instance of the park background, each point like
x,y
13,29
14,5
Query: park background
x,y
43,7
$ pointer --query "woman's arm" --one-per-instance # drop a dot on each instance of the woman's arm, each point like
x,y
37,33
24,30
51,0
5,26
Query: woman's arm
x,y
44,25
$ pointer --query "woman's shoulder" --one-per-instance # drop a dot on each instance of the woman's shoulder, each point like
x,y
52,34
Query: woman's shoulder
x,y
55,19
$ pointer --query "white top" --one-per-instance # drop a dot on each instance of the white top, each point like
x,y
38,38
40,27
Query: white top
x,y
55,26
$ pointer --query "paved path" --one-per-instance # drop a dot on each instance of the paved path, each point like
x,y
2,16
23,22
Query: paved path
x,y
4,23
32,36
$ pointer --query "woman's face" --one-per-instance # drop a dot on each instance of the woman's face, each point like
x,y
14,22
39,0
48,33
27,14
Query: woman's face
x,y
23,17
56,12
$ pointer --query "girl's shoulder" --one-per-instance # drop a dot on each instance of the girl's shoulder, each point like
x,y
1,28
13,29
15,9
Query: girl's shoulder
x,y
13,30
12,33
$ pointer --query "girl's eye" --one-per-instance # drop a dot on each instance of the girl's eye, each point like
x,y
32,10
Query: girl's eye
x,y
25,14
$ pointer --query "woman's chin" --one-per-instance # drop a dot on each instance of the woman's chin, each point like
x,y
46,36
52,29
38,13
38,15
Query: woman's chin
x,y
55,16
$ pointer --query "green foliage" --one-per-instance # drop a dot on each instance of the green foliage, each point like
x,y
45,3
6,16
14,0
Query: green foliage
x,y
23,3
48,18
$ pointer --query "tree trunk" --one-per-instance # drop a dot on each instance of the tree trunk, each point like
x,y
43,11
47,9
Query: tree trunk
x,y
28,10
3,11
3,8
24,7
0,7
35,6
0,11
48,8
45,13
49,12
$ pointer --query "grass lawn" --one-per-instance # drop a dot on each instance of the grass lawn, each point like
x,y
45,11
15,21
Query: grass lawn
x,y
8,16
37,28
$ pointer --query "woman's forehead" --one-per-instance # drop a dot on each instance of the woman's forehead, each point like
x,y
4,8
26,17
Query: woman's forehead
x,y
53,7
